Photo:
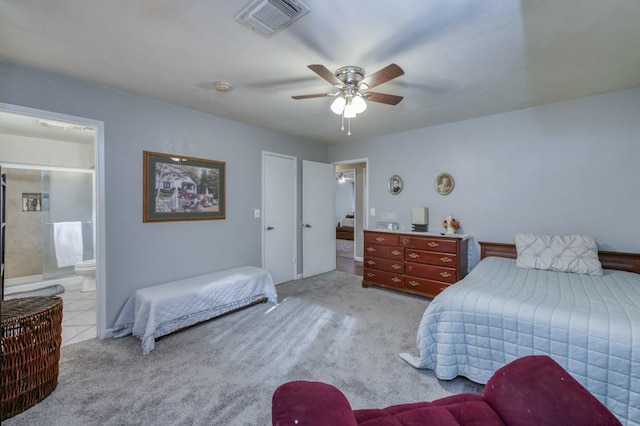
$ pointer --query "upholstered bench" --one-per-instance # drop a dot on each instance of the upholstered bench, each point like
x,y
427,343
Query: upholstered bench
x,y
530,391
158,310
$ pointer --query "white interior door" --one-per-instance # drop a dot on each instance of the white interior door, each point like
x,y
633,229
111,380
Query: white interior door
x,y
318,229
279,217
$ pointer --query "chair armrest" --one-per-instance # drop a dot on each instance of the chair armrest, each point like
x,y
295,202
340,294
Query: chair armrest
x,y
310,404
535,390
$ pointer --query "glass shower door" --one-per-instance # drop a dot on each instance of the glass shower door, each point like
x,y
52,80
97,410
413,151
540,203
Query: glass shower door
x,y
67,196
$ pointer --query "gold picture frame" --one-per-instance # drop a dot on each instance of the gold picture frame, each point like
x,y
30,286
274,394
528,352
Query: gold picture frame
x,y
444,184
177,187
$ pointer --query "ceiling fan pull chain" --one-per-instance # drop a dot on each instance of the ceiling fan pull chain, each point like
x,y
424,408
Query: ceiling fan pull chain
x,y
342,122
349,124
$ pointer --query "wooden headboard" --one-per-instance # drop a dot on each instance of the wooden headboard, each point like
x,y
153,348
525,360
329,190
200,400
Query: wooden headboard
x,y
629,262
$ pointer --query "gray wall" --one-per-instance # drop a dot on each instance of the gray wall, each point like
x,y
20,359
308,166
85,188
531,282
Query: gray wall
x,y
566,168
138,254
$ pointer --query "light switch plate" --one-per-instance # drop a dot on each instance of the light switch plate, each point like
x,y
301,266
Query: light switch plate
x,y
373,211
256,213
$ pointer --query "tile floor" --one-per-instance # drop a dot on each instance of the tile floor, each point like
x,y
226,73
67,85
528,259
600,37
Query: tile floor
x,y
78,316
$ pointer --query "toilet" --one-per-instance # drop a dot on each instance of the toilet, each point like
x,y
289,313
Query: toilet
x,y
87,270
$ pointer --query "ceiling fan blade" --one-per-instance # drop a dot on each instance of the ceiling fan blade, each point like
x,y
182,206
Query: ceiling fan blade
x,y
385,74
324,72
383,98
315,95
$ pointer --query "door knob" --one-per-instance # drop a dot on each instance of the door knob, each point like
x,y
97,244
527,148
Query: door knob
x,y
306,225
269,228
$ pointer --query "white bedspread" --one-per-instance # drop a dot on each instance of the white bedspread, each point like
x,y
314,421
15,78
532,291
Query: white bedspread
x,y
155,311
590,325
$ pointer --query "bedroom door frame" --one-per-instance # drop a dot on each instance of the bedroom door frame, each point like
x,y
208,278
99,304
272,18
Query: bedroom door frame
x,y
362,218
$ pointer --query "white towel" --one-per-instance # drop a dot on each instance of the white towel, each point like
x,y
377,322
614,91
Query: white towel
x,y
67,240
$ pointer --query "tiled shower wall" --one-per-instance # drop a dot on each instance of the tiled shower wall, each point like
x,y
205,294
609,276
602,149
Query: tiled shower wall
x,y
23,248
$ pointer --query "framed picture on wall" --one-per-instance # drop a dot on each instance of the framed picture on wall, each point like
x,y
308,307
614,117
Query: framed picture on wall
x,y
177,187
395,184
444,183
31,201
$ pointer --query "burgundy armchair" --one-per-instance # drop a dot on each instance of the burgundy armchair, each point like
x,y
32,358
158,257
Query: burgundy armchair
x,y
530,391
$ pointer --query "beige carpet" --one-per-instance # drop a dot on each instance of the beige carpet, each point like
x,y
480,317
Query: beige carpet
x,y
224,371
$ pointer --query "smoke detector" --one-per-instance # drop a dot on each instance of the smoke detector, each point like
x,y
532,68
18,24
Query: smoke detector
x,y
267,17
222,86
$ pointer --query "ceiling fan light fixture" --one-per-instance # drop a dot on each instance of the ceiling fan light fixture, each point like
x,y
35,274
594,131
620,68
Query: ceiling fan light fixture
x,y
337,106
349,111
358,104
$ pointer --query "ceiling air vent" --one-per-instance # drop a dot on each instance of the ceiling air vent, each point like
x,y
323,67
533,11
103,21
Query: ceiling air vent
x,y
270,16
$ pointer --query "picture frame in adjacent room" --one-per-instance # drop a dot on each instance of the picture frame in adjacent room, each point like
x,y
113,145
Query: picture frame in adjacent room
x,y
31,201
444,183
177,187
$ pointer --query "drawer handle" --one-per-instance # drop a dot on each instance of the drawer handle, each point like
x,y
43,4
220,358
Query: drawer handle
x,y
432,244
414,256
445,274
396,280
395,266
380,239
413,283
446,259
396,253
371,262
371,274
370,249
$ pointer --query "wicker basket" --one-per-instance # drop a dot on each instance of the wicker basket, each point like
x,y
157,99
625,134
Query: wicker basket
x,y
31,340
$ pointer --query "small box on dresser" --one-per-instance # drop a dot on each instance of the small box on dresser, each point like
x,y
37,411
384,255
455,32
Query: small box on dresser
x,y
418,263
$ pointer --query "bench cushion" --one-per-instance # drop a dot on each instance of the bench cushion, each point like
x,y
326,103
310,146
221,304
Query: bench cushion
x,y
158,310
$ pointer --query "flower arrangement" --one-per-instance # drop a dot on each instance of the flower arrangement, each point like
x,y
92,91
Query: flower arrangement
x,y
451,224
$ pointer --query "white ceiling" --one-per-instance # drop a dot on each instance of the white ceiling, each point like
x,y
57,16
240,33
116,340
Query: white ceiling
x,y
462,58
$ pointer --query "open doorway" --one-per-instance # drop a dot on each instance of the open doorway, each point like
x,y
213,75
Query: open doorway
x,y
349,216
57,159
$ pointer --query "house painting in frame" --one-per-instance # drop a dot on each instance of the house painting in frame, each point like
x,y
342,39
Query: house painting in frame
x,y
182,188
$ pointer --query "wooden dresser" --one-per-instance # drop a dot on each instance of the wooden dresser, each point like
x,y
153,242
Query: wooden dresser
x,y
414,262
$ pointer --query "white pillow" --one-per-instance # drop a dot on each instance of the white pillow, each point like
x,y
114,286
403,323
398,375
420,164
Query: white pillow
x,y
563,253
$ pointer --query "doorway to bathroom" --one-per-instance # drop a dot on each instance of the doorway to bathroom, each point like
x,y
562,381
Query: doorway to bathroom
x,y
51,211
39,250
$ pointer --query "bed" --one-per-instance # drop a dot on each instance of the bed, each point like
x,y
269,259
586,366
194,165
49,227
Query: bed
x,y
499,312
344,228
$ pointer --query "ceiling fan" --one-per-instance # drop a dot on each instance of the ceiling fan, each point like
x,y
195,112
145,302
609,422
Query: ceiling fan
x,y
353,89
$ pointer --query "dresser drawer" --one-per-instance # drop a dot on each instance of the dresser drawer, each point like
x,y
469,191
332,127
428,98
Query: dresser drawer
x,y
423,286
388,279
381,238
431,257
387,252
438,273
434,244
390,265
